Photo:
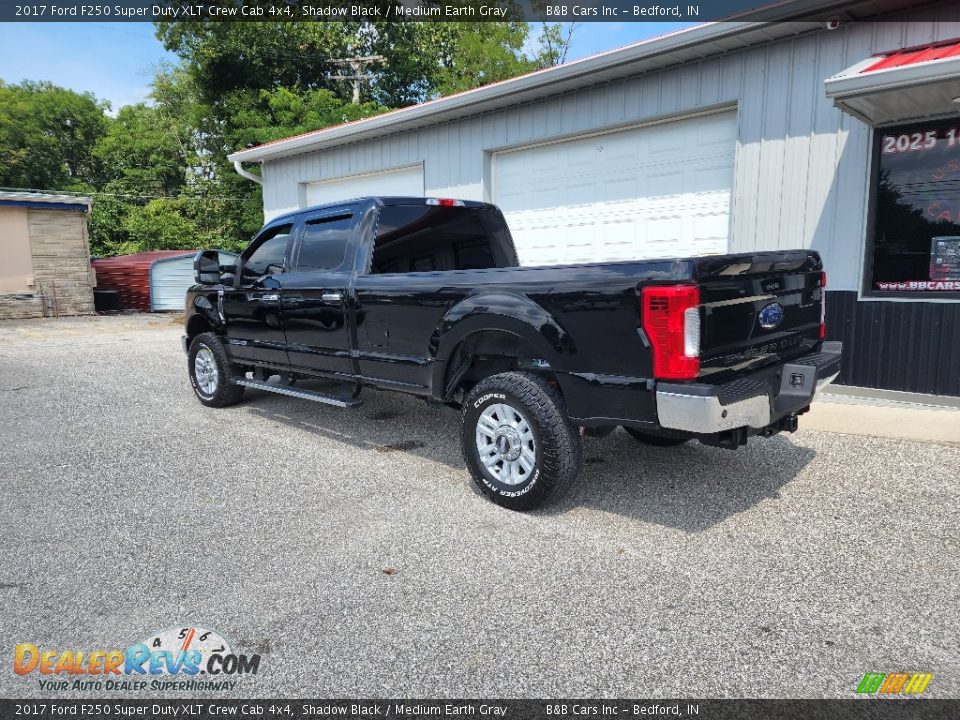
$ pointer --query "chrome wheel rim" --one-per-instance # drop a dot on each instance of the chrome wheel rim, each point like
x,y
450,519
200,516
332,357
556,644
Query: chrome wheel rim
x,y
506,444
205,371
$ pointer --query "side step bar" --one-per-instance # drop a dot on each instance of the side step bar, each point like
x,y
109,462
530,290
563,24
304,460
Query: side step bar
x,y
297,393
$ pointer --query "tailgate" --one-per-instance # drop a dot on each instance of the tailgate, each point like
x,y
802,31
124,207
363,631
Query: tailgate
x,y
757,309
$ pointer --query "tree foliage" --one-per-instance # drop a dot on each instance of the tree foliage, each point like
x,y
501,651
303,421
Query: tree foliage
x,y
141,153
47,135
420,60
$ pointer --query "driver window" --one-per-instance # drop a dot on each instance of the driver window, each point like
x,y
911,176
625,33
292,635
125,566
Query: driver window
x,y
267,258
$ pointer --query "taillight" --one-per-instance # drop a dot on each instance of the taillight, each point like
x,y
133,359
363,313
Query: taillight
x,y
671,320
445,202
823,306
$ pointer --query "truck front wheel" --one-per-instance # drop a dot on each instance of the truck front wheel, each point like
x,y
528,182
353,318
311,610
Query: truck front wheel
x,y
210,372
517,440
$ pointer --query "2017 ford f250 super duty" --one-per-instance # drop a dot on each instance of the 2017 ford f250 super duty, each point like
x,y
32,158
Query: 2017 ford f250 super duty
x,y
425,296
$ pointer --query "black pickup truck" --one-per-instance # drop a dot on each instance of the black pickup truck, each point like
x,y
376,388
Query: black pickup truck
x,y
425,296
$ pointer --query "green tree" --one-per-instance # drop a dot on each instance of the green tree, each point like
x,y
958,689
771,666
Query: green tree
x,y
478,54
167,224
255,118
226,57
47,135
556,39
420,60
141,153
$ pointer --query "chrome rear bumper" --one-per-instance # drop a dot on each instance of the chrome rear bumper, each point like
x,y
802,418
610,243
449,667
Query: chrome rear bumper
x,y
753,402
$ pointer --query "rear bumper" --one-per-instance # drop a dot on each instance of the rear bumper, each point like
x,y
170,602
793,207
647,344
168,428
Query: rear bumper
x,y
756,401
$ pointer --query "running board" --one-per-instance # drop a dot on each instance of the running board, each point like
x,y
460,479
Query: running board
x,y
298,393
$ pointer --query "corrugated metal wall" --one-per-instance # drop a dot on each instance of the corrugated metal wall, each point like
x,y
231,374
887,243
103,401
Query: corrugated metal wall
x,y
909,346
130,276
171,277
169,280
801,167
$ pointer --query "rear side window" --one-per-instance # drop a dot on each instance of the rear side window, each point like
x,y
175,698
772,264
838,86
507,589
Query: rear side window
x,y
325,242
421,238
267,257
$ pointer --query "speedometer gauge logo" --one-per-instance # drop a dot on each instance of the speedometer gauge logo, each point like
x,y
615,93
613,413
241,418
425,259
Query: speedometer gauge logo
x,y
184,639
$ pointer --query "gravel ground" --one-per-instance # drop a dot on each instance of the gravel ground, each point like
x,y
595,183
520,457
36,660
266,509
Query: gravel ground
x,y
786,569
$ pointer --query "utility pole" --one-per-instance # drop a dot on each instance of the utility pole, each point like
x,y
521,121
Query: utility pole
x,y
356,65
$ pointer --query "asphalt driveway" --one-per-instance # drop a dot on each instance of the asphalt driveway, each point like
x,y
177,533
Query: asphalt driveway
x,y
786,569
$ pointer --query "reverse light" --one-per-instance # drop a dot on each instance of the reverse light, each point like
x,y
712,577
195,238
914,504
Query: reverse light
x,y
445,202
671,320
823,306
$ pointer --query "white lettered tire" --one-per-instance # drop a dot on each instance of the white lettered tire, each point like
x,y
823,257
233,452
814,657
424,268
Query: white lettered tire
x,y
210,372
517,440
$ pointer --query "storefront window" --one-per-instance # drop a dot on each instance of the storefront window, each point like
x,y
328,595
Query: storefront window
x,y
916,225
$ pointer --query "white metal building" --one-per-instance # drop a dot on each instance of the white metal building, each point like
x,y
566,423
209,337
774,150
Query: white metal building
x,y
727,137
170,277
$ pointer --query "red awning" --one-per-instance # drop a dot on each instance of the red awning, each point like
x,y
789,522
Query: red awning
x,y
912,56
902,85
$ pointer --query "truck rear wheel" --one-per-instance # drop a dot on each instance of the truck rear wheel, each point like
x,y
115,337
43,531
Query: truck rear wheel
x,y
210,372
517,440
657,440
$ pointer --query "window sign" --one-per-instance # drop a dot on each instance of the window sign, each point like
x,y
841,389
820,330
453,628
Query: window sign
x,y
916,229
945,258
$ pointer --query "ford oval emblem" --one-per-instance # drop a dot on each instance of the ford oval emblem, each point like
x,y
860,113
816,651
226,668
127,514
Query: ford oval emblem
x,y
771,316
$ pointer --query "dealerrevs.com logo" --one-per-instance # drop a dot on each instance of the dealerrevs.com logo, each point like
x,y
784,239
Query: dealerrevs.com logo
x,y
184,658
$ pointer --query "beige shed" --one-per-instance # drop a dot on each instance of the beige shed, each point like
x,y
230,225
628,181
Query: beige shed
x,y
44,256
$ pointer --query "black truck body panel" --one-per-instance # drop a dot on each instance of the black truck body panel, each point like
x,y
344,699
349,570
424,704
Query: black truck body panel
x,y
579,323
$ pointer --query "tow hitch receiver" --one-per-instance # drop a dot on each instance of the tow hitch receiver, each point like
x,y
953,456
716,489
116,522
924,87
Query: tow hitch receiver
x,y
732,439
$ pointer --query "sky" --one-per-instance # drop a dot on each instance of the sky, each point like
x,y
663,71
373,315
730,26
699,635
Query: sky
x,y
116,61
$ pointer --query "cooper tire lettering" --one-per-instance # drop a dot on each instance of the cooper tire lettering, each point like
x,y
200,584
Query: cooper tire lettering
x,y
489,396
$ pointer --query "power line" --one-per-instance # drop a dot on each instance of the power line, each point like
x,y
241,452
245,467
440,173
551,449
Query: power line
x,y
95,193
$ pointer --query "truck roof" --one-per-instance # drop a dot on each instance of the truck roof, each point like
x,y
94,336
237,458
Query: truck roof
x,y
380,201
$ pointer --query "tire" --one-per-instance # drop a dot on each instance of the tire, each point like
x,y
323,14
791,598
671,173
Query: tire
x,y
656,440
210,377
533,449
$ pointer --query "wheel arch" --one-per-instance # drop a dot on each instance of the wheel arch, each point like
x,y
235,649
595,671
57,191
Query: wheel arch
x,y
203,316
494,325
196,325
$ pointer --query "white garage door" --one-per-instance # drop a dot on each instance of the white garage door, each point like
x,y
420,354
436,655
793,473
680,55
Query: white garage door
x,y
402,181
657,191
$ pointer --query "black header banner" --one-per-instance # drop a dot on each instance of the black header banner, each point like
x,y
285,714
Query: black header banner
x,y
417,11
872,708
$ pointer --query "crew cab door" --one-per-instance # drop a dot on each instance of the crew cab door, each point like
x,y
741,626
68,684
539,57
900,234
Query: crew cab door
x,y
410,283
315,295
251,308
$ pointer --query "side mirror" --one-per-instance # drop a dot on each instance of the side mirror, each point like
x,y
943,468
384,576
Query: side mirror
x,y
206,267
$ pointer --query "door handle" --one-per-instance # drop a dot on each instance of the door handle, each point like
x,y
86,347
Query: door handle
x,y
331,297
270,296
